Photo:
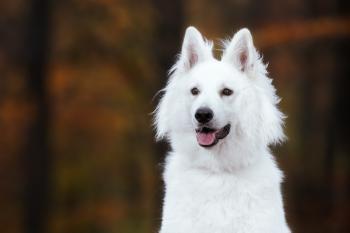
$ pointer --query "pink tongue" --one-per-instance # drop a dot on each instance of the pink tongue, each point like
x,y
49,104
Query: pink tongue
x,y
206,139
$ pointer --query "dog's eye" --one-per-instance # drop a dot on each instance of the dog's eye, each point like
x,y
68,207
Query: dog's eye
x,y
226,92
195,91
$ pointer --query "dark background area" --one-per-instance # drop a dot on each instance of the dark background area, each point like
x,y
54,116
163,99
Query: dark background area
x,y
77,80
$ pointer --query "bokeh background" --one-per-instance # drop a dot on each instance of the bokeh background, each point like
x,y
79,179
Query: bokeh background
x,y
77,81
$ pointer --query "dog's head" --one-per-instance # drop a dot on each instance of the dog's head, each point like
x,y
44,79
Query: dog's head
x,y
210,103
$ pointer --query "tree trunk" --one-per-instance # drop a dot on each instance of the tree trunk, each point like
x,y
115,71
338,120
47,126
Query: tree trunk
x,y
36,156
167,44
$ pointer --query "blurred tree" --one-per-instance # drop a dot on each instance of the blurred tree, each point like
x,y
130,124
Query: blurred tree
x,y
167,42
36,153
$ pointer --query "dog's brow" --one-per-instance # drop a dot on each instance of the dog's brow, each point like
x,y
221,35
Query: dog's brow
x,y
244,88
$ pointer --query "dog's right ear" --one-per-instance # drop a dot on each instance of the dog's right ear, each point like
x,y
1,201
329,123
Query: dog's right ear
x,y
194,49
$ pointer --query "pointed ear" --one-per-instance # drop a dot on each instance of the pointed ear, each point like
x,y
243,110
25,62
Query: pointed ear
x,y
240,51
194,49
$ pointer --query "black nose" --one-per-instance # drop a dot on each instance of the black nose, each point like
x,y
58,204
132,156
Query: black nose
x,y
204,115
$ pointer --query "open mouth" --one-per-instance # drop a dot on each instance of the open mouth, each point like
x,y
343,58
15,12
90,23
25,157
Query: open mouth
x,y
208,137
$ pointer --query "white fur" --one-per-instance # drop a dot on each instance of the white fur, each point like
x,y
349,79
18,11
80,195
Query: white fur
x,y
234,186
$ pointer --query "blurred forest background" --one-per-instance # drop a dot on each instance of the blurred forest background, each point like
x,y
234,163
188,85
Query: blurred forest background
x,y
77,79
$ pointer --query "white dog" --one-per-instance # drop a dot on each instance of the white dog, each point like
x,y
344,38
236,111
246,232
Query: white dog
x,y
220,118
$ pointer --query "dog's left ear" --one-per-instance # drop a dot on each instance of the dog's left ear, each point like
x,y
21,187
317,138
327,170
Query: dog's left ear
x,y
240,51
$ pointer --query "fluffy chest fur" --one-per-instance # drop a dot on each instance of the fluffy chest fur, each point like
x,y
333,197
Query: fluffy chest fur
x,y
200,201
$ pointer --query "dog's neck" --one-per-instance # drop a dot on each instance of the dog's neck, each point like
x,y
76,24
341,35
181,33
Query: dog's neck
x,y
228,158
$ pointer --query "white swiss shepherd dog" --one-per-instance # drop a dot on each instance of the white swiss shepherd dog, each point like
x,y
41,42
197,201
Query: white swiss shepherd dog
x,y
220,116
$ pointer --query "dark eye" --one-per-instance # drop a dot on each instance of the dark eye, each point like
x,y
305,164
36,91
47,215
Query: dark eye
x,y
226,92
195,91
